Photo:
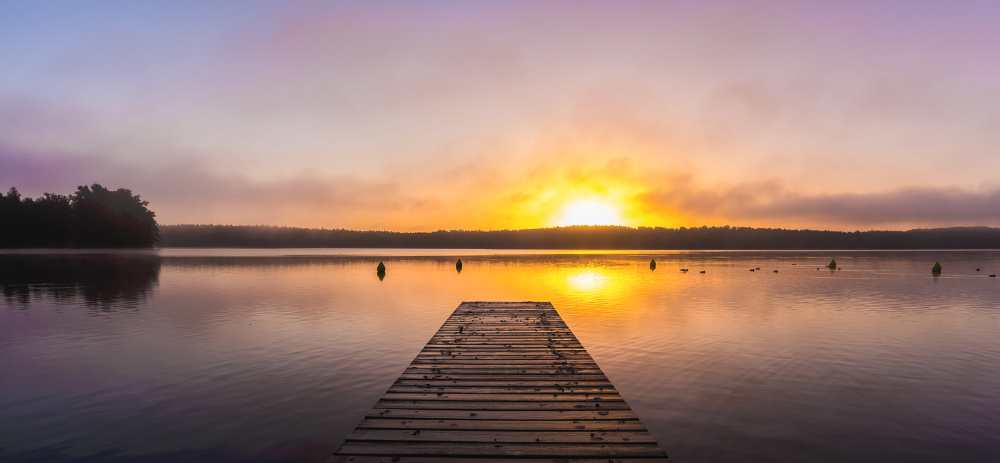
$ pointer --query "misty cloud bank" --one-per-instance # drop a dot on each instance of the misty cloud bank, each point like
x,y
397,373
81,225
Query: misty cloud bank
x,y
409,117
769,202
174,189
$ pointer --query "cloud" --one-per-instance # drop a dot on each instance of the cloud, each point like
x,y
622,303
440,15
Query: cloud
x,y
487,196
185,191
38,122
417,116
32,173
768,203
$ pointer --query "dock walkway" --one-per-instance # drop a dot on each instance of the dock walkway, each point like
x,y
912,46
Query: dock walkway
x,y
501,381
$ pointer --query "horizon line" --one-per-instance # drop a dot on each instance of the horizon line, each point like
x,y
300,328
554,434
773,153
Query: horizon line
x,y
955,227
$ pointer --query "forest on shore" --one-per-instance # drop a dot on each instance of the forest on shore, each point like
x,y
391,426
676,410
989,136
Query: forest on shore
x,y
581,237
97,217
92,217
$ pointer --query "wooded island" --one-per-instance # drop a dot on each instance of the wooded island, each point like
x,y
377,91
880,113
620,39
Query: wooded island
x,y
93,217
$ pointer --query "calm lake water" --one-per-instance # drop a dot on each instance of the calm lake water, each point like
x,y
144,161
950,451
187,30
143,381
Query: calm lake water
x,y
275,355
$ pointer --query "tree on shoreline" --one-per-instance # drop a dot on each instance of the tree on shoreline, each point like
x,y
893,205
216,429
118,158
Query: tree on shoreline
x,y
93,217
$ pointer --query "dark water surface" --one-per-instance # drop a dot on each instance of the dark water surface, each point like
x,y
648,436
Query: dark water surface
x,y
275,355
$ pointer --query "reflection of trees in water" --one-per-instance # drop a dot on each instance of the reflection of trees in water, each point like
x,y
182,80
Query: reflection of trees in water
x,y
98,280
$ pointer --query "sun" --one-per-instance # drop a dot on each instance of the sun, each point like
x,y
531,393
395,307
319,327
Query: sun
x,y
589,212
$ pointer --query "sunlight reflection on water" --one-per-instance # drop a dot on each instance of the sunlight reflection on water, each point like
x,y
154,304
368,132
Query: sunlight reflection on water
x,y
237,355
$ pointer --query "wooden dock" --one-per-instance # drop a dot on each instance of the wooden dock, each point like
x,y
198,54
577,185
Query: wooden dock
x,y
501,381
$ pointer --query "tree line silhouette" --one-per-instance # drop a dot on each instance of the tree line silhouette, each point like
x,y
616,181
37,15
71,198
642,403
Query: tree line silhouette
x,y
97,217
582,237
92,217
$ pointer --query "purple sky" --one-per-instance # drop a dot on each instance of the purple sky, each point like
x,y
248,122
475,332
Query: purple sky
x,y
444,115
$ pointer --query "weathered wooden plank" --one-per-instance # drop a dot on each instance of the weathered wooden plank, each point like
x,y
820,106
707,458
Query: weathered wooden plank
x,y
485,345
502,329
504,425
543,357
470,362
477,345
500,355
515,436
492,321
458,358
494,342
504,390
504,397
589,449
505,328
472,328
507,363
440,459
500,336
494,377
497,405
502,370
562,354
539,353
500,381
580,366
515,383
528,415
488,344
505,350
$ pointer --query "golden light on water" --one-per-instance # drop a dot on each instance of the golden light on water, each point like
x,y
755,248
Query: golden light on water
x,y
590,212
588,280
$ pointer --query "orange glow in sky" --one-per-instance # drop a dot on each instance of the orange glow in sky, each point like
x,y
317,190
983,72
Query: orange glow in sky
x,y
590,212
416,116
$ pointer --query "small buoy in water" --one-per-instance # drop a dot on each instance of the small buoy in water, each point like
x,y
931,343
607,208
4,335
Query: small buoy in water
x,y
458,265
652,264
936,269
380,268
977,269
833,264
